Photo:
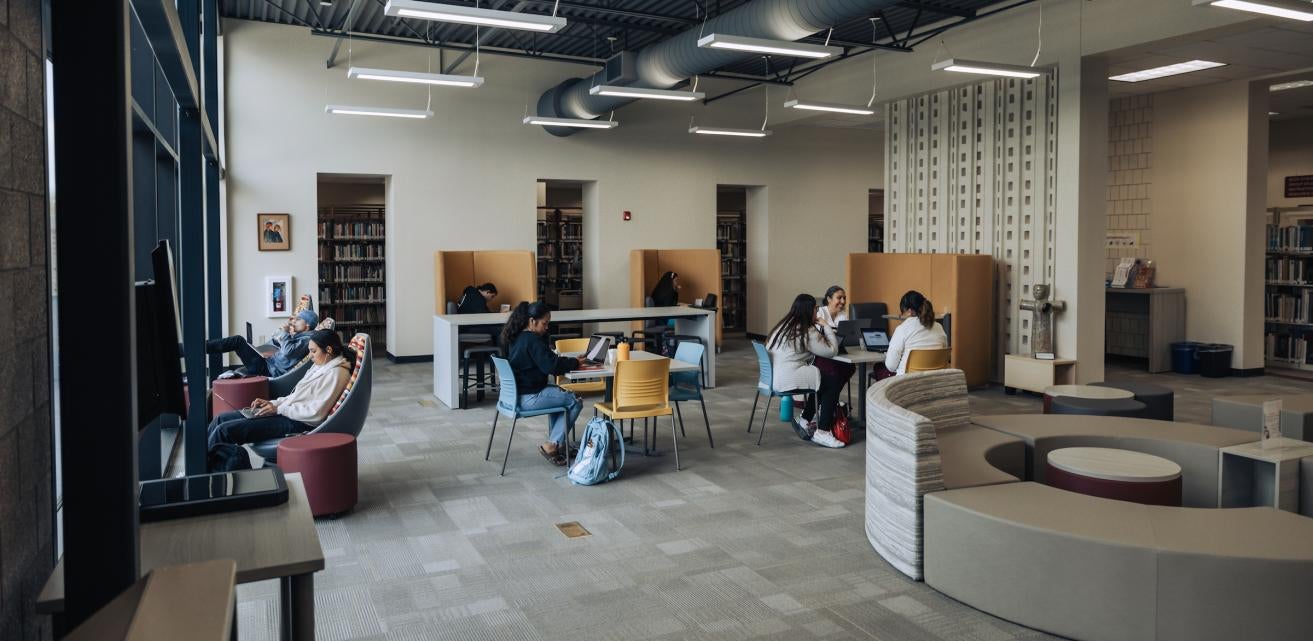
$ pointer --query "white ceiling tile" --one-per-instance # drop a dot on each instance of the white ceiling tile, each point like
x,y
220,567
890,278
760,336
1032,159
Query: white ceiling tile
x,y
1234,54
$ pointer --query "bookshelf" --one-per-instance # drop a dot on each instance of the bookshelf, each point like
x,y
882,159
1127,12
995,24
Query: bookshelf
x,y
560,260
731,240
1288,294
352,279
875,221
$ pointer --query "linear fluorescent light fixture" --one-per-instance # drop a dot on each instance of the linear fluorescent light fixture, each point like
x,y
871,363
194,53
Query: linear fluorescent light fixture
x,y
1292,9
1168,70
641,92
473,15
581,123
727,131
962,65
388,112
762,45
414,77
812,105
1295,84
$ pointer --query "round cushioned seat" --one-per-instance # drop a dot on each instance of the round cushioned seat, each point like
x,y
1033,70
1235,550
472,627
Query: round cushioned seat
x,y
232,394
1098,406
327,463
1159,401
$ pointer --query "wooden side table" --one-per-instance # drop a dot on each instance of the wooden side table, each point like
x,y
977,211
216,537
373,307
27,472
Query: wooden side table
x,y
1123,475
1249,475
1033,375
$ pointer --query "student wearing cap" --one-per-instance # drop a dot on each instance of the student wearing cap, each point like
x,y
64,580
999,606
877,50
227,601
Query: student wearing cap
x,y
292,348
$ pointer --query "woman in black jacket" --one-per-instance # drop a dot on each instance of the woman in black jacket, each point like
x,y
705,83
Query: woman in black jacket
x,y
525,339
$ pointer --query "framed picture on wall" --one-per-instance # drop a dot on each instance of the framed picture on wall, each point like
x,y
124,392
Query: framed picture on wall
x,y
277,296
275,232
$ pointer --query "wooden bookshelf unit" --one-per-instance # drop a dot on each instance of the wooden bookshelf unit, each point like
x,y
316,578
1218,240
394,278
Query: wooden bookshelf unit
x,y
352,270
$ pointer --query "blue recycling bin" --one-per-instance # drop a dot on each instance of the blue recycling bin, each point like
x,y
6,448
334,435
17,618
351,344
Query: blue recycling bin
x,y
1183,357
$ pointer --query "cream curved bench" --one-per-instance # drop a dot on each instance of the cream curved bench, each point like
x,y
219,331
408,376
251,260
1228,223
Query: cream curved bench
x,y
1096,569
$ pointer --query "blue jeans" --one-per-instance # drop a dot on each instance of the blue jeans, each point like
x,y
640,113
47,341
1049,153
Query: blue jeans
x,y
232,427
552,396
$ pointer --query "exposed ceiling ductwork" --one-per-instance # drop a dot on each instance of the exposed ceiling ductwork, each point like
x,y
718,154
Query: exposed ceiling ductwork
x,y
670,62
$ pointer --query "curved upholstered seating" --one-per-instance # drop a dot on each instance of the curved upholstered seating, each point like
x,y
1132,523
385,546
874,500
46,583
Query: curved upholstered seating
x,y
1097,569
348,413
918,440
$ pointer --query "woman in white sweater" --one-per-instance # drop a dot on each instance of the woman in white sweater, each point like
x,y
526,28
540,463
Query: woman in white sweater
x,y
918,331
797,340
302,410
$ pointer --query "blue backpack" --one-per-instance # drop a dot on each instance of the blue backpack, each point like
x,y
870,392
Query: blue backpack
x,y
592,464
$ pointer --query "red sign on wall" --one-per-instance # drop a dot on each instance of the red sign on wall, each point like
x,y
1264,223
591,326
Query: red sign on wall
x,y
1299,186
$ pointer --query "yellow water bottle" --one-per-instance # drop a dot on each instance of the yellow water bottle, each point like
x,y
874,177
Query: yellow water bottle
x,y
622,351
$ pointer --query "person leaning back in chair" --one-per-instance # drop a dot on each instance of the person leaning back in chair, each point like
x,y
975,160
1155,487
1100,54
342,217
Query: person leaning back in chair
x,y
917,331
300,411
292,348
525,341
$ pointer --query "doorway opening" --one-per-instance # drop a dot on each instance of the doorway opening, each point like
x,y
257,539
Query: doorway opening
x,y
732,241
875,221
352,268
560,247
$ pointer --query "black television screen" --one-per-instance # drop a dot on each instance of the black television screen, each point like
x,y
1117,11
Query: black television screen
x,y
159,335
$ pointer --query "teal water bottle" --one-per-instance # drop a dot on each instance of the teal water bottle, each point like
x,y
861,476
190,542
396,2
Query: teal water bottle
x,y
786,409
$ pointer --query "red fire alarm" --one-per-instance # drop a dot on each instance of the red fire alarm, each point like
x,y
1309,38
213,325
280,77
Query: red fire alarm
x,y
628,215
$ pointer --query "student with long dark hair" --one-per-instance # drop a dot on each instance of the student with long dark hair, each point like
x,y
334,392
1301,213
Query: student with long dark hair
x,y
525,339
794,344
666,292
918,331
833,307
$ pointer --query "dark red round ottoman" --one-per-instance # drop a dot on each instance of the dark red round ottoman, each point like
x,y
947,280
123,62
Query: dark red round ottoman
x,y
232,394
327,463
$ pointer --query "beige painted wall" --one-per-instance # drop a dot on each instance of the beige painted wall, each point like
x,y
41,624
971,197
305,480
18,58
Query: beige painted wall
x,y
466,179
1290,154
1208,210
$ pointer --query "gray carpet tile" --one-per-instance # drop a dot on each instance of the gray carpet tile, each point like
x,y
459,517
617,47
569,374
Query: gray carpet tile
x,y
746,542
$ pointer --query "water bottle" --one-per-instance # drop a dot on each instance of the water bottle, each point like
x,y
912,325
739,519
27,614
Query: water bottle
x,y
786,409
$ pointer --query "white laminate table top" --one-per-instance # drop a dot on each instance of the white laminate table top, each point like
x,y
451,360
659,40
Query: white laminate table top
x,y
1087,391
1114,465
858,355
607,371
585,315
1282,449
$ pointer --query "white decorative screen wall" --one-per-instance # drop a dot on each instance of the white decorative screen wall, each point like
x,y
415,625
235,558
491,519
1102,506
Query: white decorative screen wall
x,y
972,170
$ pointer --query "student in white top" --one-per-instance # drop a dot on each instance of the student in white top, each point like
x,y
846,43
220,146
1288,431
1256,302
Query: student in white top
x,y
918,331
834,307
795,343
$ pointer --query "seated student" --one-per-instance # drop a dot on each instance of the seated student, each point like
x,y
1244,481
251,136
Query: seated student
x,y
795,342
666,292
834,308
292,347
302,410
524,338
919,331
474,300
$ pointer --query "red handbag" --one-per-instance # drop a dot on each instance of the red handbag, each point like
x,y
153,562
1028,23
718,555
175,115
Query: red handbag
x,y
841,429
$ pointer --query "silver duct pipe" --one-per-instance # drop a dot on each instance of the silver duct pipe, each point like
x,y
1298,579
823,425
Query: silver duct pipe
x,y
667,63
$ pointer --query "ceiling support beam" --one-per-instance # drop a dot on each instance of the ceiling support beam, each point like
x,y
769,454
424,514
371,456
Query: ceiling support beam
x,y
346,28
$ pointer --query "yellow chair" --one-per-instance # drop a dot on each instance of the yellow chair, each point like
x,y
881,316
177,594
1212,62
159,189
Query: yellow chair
x,y
565,345
642,390
925,360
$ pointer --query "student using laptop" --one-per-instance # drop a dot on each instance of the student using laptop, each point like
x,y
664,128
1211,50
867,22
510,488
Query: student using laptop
x,y
532,361
918,331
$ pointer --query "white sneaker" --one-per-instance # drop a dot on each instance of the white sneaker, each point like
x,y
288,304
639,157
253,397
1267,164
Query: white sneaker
x,y
825,438
804,428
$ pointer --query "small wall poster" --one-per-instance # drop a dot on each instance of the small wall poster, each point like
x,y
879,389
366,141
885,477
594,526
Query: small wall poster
x,y
275,232
1271,423
1299,186
277,296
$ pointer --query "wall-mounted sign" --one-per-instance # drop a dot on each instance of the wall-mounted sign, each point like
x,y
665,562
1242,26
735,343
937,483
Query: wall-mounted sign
x,y
1299,186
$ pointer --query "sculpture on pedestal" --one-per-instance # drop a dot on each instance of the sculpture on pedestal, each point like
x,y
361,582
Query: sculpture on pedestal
x,y
1041,324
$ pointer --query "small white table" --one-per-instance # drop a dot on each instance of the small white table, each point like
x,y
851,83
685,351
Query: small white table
x,y
1249,475
1082,391
693,321
860,357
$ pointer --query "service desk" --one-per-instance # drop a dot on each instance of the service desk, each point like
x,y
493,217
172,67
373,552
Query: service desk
x,y
693,321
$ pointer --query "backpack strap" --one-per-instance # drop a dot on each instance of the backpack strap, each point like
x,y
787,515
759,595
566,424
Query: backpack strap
x,y
620,445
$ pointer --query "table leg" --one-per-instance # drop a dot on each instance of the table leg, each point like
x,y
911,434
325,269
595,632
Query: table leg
x,y
861,393
302,592
285,608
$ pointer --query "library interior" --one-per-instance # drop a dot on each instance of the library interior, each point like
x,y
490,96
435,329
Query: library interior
x,y
991,317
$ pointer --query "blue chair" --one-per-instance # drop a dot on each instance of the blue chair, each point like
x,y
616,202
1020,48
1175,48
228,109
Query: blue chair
x,y
508,405
687,386
765,378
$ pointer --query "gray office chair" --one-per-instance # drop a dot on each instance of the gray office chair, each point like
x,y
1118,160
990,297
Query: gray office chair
x,y
352,407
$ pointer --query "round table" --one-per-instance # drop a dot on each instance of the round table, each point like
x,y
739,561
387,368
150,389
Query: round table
x,y
1123,475
1081,391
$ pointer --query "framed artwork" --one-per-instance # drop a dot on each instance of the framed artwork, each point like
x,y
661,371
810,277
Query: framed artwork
x,y
275,232
277,296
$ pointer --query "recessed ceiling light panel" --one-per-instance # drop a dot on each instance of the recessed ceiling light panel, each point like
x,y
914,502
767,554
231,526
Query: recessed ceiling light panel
x,y
414,77
1292,9
473,15
763,45
1167,70
1294,84
962,65
641,92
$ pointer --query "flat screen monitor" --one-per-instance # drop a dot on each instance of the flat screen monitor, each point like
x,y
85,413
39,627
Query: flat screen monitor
x,y
159,336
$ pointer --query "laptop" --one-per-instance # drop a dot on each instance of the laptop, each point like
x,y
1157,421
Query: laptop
x,y
597,348
850,331
875,340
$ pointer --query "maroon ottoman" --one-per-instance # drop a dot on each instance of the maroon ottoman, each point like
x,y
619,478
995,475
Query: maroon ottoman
x,y
327,463
232,394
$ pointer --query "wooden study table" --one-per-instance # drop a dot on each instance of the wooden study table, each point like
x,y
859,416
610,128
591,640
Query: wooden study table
x,y
693,321
278,542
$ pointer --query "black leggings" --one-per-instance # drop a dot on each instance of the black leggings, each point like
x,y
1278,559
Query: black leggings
x,y
832,382
252,360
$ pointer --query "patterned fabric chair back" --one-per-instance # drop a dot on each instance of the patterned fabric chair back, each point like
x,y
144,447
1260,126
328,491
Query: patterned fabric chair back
x,y
360,344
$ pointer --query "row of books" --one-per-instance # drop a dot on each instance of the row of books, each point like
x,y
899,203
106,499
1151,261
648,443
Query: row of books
x,y
340,273
353,252
1289,308
351,293
1286,347
1290,238
351,230
1286,269
360,315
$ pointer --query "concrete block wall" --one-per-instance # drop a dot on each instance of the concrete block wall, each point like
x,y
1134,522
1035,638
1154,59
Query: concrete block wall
x,y
1130,176
26,504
